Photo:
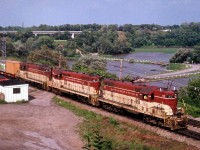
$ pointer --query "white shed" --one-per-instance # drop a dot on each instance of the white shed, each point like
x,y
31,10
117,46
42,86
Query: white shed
x,y
13,91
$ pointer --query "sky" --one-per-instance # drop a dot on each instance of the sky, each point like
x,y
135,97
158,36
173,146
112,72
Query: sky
x,y
59,12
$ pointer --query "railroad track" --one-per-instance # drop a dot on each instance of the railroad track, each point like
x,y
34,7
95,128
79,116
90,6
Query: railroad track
x,y
183,132
189,133
194,123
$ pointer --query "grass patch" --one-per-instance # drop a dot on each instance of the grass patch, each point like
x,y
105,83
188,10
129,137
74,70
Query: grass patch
x,y
175,67
107,133
155,49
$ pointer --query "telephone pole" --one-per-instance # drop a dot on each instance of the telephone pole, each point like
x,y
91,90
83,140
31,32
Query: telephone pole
x,y
60,60
120,73
60,49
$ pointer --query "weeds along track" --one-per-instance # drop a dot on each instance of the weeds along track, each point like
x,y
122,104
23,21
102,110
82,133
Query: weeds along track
x,y
182,132
137,122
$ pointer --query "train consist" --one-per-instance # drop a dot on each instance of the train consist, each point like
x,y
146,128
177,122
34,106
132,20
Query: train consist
x,y
157,105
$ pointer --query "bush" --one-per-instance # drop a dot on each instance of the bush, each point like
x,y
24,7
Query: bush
x,y
191,96
181,56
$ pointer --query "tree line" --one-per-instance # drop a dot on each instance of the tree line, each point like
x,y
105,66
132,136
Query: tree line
x,y
103,39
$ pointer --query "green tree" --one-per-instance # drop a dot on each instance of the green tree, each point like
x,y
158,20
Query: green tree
x,y
70,49
46,56
181,56
105,45
67,48
92,65
191,93
42,41
22,35
20,50
10,49
62,36
29,43
196,54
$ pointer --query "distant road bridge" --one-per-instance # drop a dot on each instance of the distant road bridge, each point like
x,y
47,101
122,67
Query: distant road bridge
x,y
73,33
194,69
5,32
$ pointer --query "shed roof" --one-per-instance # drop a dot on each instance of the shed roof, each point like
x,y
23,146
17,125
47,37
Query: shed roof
x,y
11,82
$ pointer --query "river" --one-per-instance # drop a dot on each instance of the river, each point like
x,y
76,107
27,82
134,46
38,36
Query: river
x,y
142,70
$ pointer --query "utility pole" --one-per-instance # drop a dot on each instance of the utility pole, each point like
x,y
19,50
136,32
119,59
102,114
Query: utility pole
x,y
120,73
59,66
3,46
60,49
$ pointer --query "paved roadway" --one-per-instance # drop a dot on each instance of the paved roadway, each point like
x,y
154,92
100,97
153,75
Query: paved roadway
x,y
195,68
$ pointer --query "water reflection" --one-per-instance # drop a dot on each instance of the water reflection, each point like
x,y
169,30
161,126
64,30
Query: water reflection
x,y
142,70
134,69
155,56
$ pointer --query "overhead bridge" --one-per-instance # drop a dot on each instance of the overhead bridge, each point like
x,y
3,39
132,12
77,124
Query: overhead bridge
x,y
73,33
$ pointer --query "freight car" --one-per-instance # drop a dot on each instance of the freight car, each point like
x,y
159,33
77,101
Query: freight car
x,y
157,105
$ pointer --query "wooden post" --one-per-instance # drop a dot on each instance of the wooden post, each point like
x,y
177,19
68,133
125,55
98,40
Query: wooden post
x,y
120,73
59,60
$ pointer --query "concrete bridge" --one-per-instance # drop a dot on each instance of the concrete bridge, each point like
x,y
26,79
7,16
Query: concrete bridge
x,y
5,32
73,33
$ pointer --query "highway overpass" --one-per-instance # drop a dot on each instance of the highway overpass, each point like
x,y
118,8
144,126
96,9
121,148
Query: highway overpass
x,y
73,33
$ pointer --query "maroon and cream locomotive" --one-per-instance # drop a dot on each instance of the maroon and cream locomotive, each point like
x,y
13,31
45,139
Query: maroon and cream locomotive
x,y
157,105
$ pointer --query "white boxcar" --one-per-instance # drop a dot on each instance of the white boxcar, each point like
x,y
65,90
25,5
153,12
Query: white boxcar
x,y
13,91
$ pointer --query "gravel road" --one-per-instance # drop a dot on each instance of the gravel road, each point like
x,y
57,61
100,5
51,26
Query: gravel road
x,y
38,125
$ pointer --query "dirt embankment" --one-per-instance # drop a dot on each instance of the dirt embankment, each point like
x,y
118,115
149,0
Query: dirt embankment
x,y
38,125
